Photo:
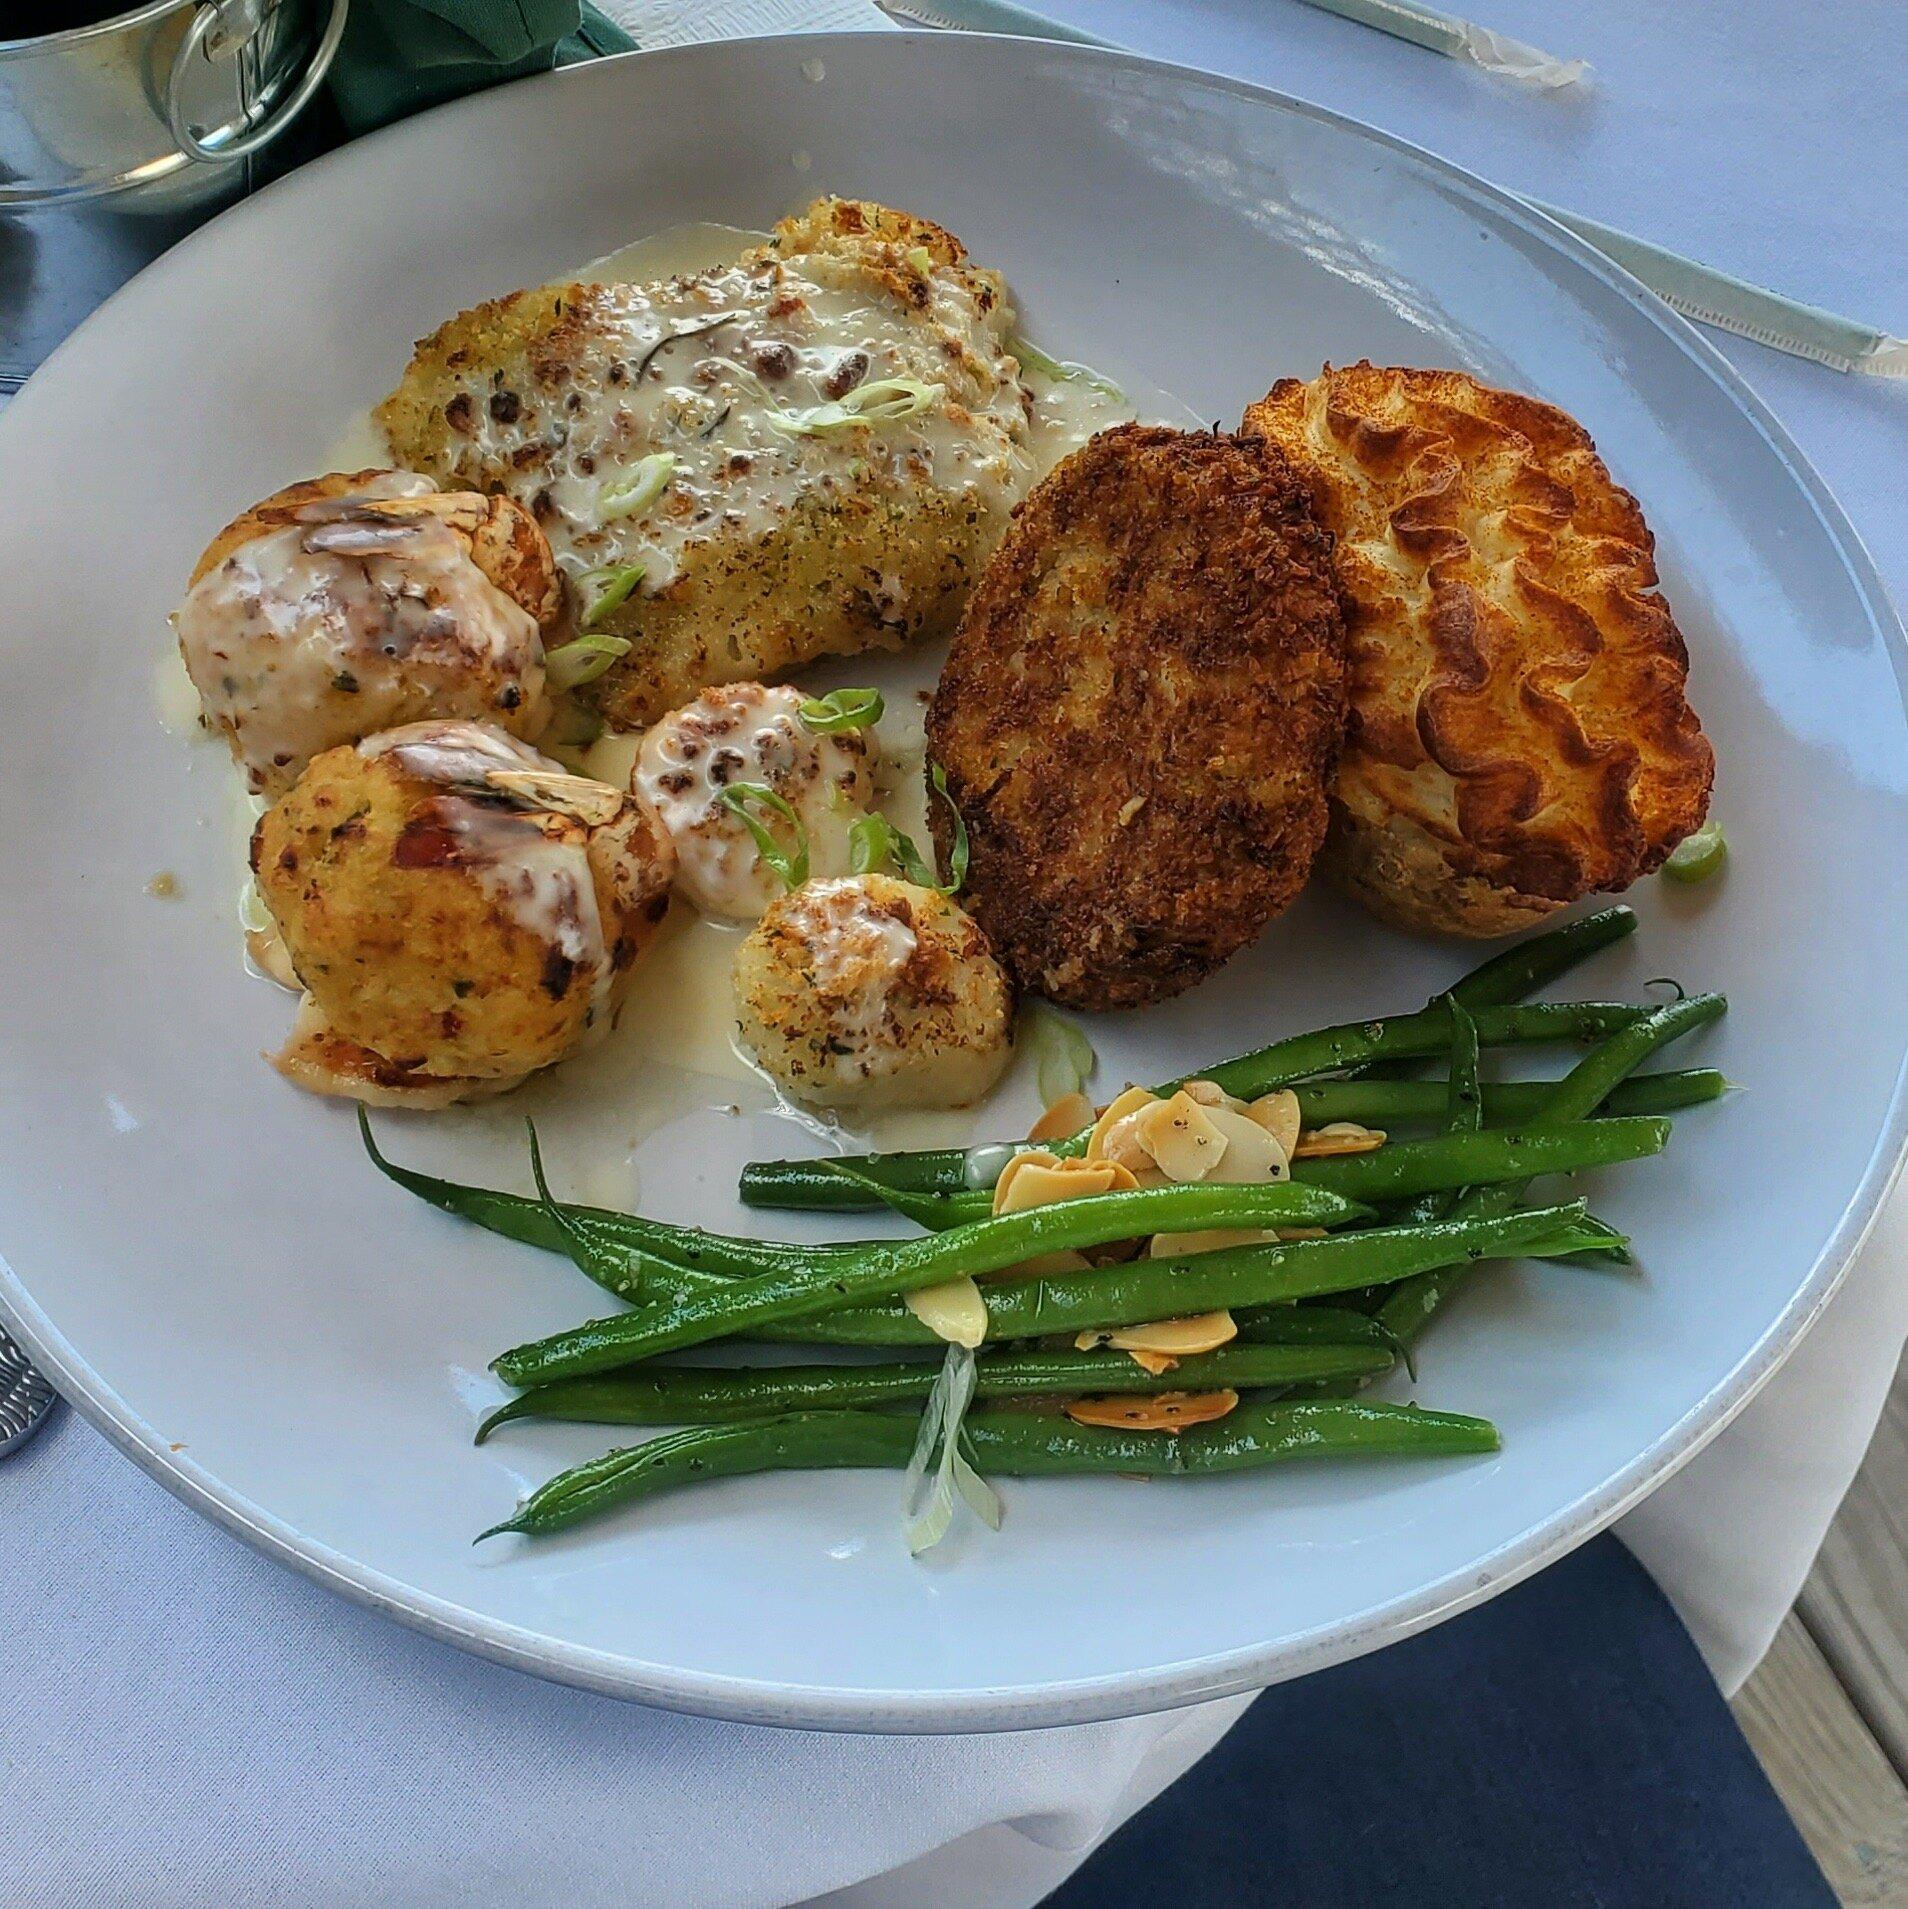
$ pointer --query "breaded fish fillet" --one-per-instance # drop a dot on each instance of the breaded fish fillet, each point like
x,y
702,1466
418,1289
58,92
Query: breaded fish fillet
x,y
1140,713
809,452
1519,734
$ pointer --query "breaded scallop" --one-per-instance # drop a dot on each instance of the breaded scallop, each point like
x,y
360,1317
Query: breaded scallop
x,y
360,601
1140,712
457,904
807,453
1519,734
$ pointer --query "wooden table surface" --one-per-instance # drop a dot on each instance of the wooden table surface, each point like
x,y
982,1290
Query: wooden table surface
x,y
1827,1709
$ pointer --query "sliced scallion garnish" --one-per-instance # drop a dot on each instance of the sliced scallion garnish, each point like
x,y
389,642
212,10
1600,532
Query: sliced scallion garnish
x,y
606,589
1697,857
645,483
927,1522
583,661
790,864
882,401
1032,358
1065,1056
957,855
842,709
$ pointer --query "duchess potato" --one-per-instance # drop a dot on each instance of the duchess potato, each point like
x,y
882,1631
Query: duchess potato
x,y
1139,713
872,992
454,925
1519,734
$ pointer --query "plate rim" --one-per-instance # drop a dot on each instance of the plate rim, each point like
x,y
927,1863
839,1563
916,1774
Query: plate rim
x,y
1115,1694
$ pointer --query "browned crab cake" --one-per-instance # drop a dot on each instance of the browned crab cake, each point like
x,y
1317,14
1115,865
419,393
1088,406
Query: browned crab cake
x,y
1519,734
458,904
1139,714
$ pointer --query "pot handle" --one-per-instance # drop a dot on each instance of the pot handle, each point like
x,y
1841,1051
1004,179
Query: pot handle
x,y
254,138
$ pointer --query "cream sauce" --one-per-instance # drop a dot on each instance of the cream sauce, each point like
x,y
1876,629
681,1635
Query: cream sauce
x,y
741,734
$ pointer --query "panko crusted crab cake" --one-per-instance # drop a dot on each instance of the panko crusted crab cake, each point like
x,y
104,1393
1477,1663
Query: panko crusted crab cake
x,y
807,453
1139,715
1519,733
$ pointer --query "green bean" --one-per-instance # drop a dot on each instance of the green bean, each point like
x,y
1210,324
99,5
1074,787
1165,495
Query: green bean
x,y
1414,1305
1006,1443
1531,964
1129,1294
1369,1101
806,1183
896,1267
1399,1171
716,1395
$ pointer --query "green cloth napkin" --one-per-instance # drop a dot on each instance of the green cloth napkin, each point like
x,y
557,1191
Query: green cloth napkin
x,y
400,56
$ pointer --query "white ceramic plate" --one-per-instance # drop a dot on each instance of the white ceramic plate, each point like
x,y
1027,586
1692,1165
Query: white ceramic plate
x,y
202,1259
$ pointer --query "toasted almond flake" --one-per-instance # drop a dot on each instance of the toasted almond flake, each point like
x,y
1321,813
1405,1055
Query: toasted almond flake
x,y
1164,1412
1252,1156
1208,1093
954,1309
1175,1338
1338,1137
1038,1179
1278,1114
1213,1239
1156,1363
1130,808
1301,1233
1063,1119
581,797
1119,1110
1181,1137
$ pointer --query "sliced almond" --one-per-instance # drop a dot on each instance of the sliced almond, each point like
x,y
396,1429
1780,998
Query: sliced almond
x,y
581,797
1113,1115
1157,1363
1278,1114
1301,1233
1181,1137
1163,1412
1338,1137
1038,1179
1252,1156
1063,1119
1214,1239
1174,1338
954,1310
1208,1093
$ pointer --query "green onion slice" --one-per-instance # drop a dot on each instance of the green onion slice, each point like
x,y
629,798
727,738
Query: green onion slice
x,y
790,865
1066,1059
929,1514
607,588
1032,358
842,709
1697,857
583,661
881,401
957,856
646,482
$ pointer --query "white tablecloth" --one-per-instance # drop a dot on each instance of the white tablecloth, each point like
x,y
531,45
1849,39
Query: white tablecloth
x,y
182,1723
